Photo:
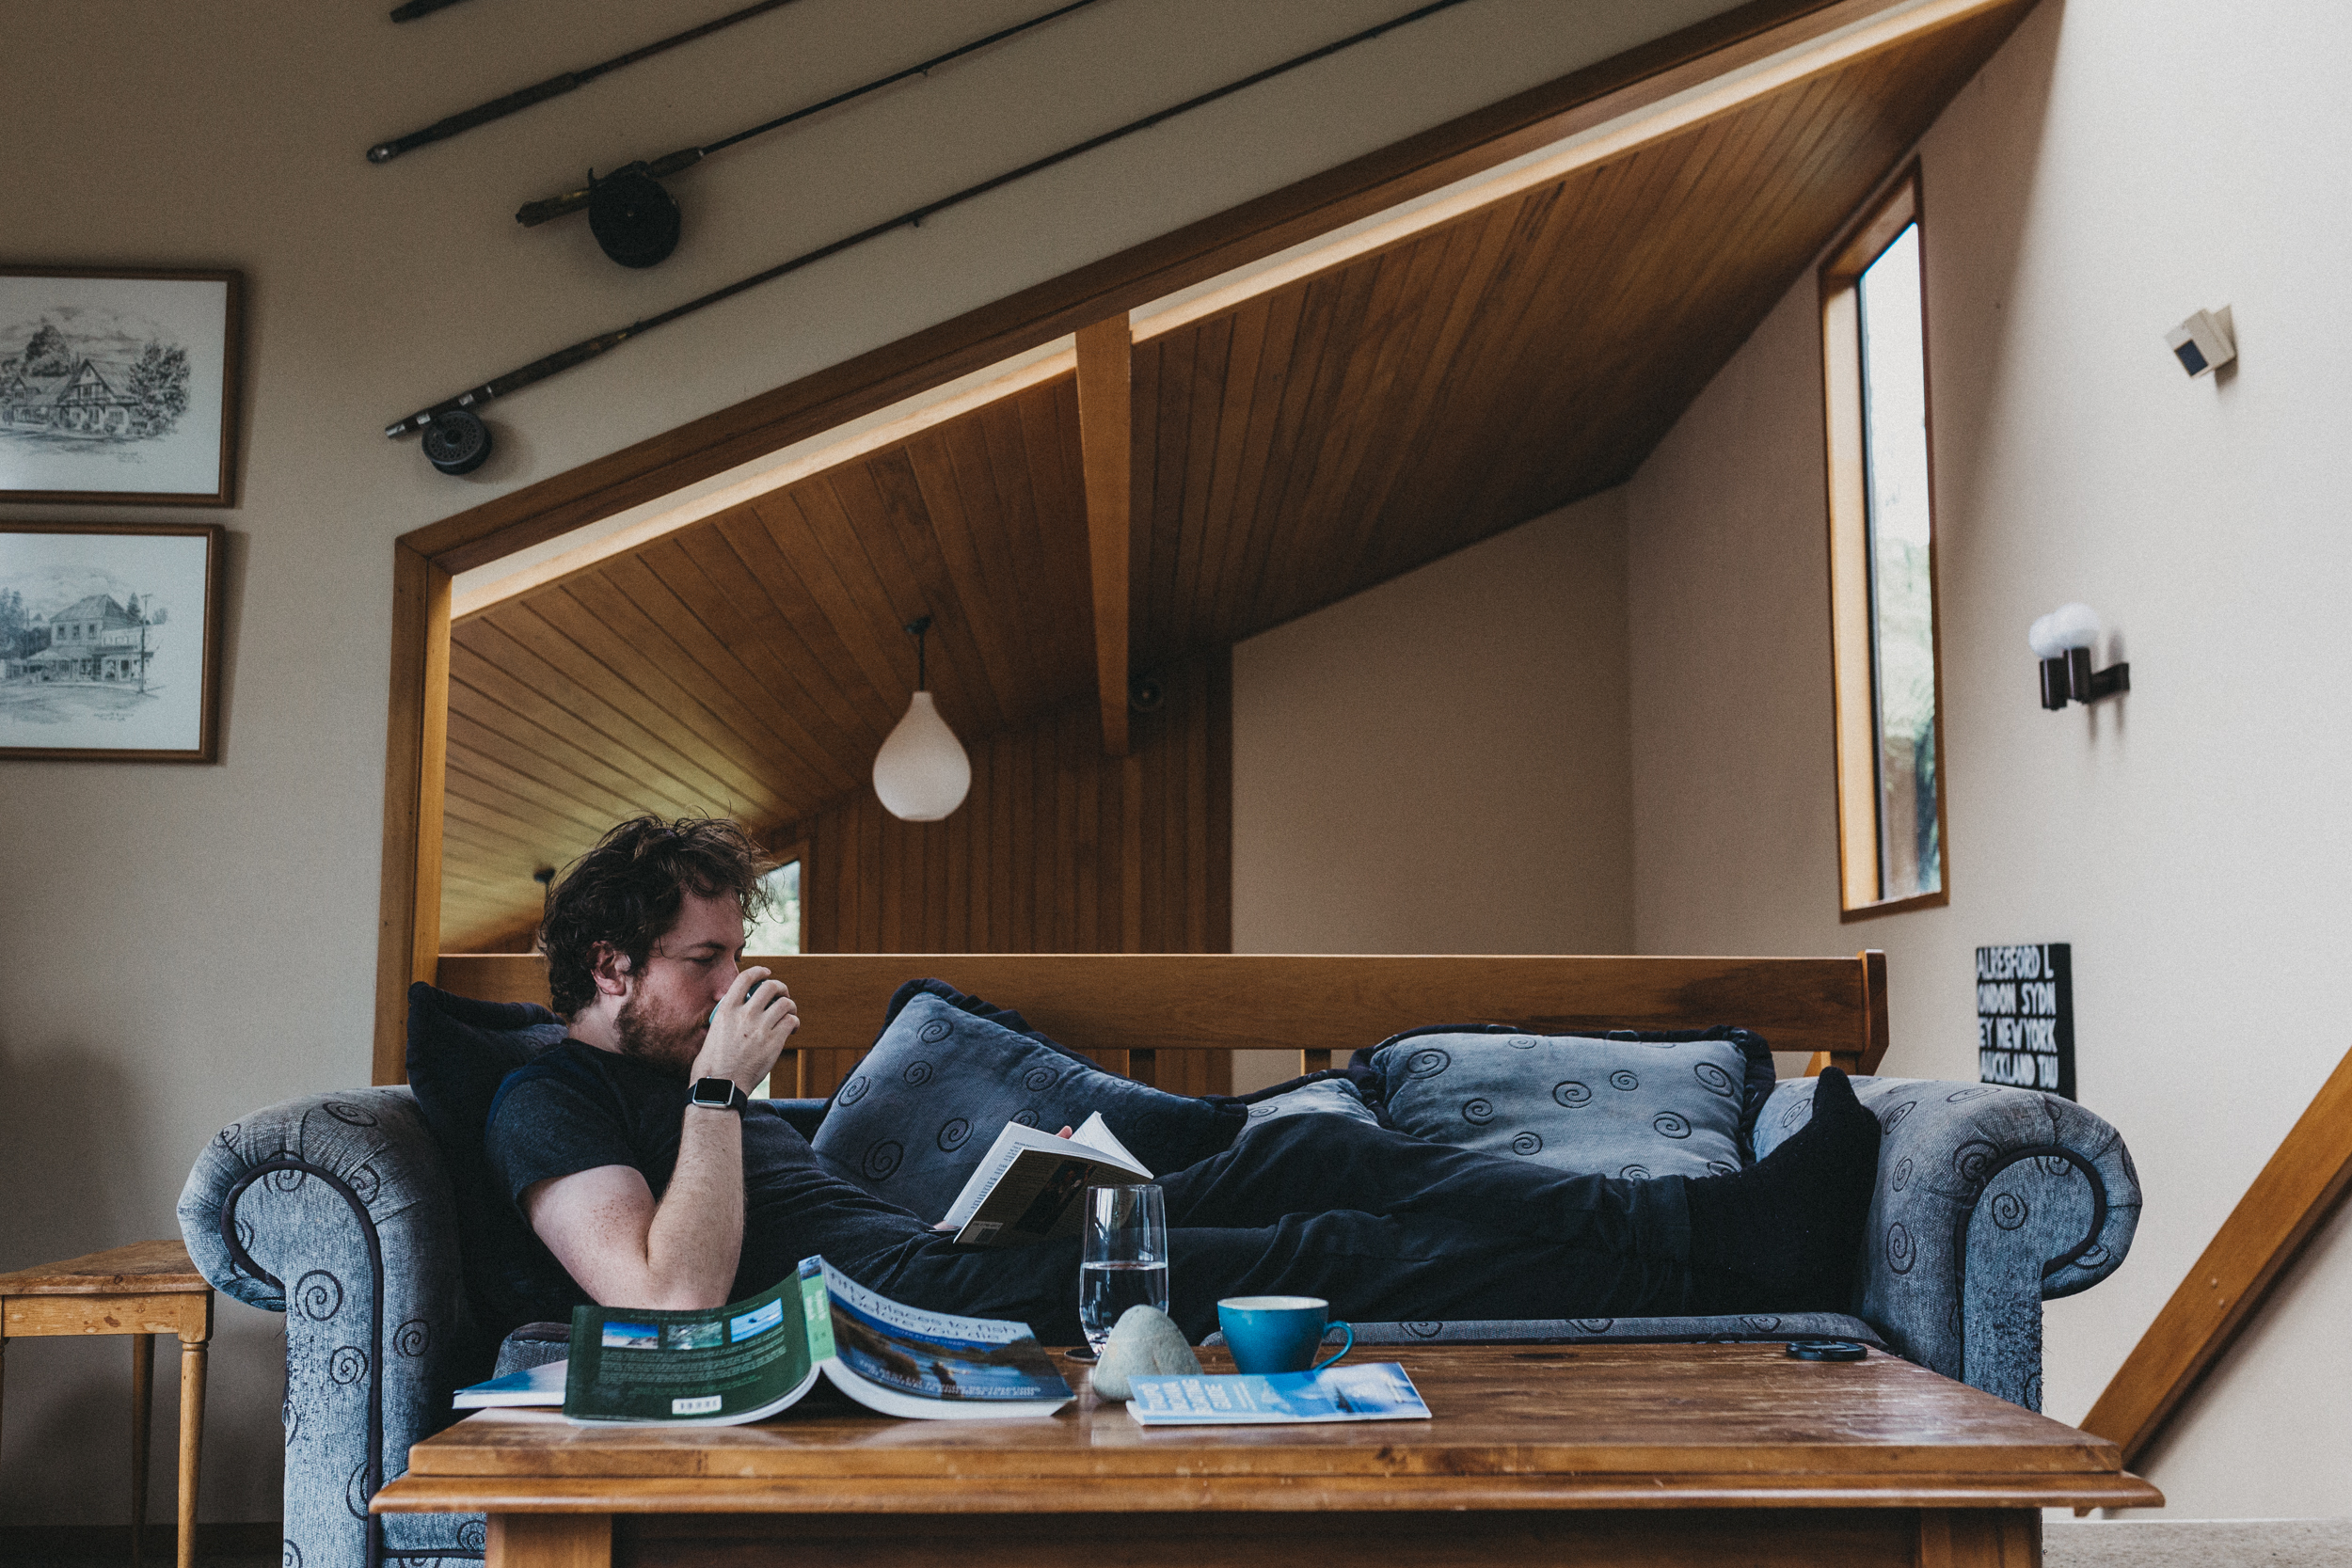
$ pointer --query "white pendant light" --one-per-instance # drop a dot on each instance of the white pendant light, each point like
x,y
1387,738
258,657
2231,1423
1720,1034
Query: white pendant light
x,y
921,772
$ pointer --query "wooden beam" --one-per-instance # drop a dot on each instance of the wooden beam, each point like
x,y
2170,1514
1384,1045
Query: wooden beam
x,y
416,747
2294,1194
1107,444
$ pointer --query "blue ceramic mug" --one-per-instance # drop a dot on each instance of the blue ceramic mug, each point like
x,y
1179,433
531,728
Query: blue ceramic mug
x,y
1278,1333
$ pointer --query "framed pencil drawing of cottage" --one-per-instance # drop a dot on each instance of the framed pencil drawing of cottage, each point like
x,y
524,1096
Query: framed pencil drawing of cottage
x,y
110,641
118,385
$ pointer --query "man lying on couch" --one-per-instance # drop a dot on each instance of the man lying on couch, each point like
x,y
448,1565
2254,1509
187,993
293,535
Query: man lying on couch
x,y
648,1179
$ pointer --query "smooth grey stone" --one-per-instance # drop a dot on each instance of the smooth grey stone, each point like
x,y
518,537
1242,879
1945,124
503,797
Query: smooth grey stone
x,y
1145,1342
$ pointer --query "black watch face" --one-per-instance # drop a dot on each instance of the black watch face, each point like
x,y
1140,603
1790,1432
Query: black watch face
x,y
718,1094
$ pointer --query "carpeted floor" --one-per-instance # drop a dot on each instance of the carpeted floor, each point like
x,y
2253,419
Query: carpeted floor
x,y
2199,1543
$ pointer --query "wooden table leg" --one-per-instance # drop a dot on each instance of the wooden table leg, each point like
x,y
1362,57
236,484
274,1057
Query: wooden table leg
x,y
548,1541
1979,1538
142,1428
191,1442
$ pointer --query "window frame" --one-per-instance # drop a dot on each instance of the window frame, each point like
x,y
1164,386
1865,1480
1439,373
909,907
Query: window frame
x,y
1853,655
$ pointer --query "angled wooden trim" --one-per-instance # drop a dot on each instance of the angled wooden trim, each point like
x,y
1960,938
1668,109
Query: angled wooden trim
x,y
2292,1197
1107,443
416,743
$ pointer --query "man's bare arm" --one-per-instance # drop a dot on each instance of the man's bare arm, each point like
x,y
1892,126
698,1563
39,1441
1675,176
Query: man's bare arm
x,y
604,1226
627,1250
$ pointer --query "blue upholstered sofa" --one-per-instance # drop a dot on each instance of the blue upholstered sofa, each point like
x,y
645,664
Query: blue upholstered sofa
x,y
335,1210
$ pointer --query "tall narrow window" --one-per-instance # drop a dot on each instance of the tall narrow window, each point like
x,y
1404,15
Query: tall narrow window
x,y
1890,775
777,933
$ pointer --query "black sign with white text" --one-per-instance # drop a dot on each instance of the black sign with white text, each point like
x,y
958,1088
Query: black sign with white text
x,y
2026,1016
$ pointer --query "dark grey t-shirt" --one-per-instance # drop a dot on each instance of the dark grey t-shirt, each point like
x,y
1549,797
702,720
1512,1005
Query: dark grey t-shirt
x,y
574,1108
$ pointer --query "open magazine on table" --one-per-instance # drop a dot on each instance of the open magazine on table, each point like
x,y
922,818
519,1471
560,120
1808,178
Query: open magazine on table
x,y
1028,1186
1366,1391
752,1358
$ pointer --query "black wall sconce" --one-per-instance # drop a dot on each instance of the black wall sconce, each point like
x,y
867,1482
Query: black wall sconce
x,y
2061,640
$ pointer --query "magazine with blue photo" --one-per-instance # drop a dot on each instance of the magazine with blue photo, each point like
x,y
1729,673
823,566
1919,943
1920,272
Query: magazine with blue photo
x,y
1371,1392
752,1358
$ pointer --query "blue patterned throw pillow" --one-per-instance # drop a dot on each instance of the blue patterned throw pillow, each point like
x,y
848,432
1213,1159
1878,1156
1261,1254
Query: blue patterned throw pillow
x,y
916,1114
1627,1104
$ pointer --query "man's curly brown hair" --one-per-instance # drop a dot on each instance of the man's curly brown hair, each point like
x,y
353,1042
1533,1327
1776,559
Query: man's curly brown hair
x,y
626,891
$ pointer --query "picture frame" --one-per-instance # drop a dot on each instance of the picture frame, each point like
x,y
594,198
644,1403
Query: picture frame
x,y
110,641
118,384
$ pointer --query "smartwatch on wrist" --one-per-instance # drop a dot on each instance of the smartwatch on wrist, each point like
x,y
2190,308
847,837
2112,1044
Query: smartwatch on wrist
x,y
718,1094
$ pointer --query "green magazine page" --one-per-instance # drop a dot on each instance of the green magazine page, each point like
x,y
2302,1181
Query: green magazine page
x,y
724,1365
754,1357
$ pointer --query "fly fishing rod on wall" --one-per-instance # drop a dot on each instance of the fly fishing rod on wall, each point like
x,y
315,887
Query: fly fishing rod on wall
x,y
539,92
457,442
636,222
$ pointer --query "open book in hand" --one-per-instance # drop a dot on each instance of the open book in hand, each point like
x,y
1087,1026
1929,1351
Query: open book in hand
x,y
1028,1185
752,1358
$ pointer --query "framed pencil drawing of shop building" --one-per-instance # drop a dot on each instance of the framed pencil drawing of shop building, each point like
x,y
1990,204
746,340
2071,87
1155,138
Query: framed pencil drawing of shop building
x,y
110,641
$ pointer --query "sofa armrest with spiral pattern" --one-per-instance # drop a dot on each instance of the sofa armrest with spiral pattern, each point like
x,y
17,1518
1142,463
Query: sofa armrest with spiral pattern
x,y
1990,1201
334,1209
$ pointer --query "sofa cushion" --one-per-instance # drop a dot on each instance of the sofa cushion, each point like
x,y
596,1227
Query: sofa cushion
x,y
916,1114
1631,1103
459,1052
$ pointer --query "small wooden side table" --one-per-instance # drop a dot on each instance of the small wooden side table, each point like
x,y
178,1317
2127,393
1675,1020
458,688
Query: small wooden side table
x,y
143,1290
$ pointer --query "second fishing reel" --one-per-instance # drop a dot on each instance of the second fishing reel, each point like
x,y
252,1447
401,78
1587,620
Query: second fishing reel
x,y
635,221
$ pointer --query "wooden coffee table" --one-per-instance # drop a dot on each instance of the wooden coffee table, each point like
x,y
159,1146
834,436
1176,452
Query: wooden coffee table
x,y
1713,1455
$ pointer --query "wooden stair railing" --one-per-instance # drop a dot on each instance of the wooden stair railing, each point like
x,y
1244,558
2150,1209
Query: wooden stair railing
x,y
2294,1195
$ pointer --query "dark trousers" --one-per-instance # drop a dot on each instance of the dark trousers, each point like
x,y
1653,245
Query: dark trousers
x,y
1384,1227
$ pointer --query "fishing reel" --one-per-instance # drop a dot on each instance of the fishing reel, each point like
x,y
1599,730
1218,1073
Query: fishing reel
x,y
635,221
456,442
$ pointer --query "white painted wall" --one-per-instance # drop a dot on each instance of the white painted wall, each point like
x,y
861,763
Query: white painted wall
x,y
2118,163
180,945
1438,765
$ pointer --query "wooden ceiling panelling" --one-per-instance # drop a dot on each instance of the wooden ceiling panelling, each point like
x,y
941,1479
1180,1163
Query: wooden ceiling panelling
x,y
751,663
1350,426
1290,449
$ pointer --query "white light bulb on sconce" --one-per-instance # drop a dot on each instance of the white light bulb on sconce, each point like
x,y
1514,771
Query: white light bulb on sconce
x,y
2068,626
921,772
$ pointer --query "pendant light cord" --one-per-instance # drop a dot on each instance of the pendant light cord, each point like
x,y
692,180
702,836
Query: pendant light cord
x,y
920,624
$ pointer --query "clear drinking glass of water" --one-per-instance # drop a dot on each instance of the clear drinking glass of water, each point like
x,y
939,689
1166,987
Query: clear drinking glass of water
x,y
1122,1262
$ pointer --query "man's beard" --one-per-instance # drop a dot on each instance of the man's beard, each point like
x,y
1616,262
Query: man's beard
x,y
667,1048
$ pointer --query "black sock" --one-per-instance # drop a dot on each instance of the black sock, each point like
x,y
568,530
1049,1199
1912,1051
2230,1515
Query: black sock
x,y
1783,1237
